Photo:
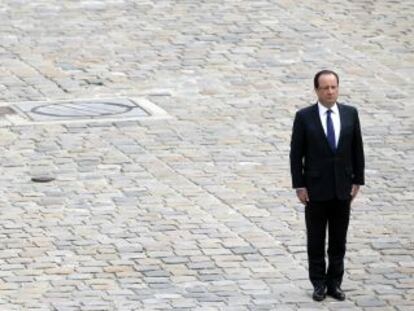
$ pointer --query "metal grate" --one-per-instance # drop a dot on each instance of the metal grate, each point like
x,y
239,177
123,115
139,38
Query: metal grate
x,y
84,110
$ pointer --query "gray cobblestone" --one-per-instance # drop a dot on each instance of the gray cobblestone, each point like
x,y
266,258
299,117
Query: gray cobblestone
x,y
196,212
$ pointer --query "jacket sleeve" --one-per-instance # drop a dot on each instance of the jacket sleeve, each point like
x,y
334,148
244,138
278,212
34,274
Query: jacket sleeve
x,y
297,149
358,158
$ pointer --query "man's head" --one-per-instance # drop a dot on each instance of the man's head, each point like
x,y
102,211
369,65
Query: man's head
x,y
326,83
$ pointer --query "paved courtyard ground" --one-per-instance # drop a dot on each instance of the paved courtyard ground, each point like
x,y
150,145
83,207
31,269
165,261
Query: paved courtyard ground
x,y
195,211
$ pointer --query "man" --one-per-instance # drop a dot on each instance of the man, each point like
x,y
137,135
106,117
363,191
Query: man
x,y
327,167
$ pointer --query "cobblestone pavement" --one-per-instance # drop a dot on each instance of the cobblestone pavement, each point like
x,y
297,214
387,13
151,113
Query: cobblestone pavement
x,y
195,212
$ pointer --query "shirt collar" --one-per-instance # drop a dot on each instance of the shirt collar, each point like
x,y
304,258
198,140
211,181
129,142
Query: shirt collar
x,y
323,109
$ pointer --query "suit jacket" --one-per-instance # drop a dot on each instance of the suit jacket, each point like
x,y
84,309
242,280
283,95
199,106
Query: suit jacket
x,y
326,174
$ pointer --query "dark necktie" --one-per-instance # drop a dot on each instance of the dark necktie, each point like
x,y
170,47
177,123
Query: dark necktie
x,y
330,131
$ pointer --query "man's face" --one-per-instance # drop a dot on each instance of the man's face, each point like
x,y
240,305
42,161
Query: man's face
x,y
328,90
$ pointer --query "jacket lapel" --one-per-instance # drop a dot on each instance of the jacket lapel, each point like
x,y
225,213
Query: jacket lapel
x,y
344,120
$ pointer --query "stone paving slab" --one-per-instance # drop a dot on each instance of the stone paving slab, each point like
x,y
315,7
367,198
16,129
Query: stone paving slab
x,y
195,212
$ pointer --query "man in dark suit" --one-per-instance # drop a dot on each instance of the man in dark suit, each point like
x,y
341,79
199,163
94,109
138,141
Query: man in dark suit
x,y
327,167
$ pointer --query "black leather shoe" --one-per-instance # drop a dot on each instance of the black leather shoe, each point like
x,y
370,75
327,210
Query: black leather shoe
x,y
336,293
319,293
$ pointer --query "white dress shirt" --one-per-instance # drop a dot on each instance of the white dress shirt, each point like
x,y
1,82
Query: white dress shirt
x,y
323,111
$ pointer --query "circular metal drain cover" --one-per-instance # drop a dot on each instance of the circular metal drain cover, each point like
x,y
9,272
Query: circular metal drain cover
x,y
85,110
82,109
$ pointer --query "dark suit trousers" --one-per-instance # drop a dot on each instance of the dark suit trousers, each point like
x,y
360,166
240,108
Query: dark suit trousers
x,y
319,216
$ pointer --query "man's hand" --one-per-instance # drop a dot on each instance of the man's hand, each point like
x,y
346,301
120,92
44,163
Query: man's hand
x,y
354,191
302,194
